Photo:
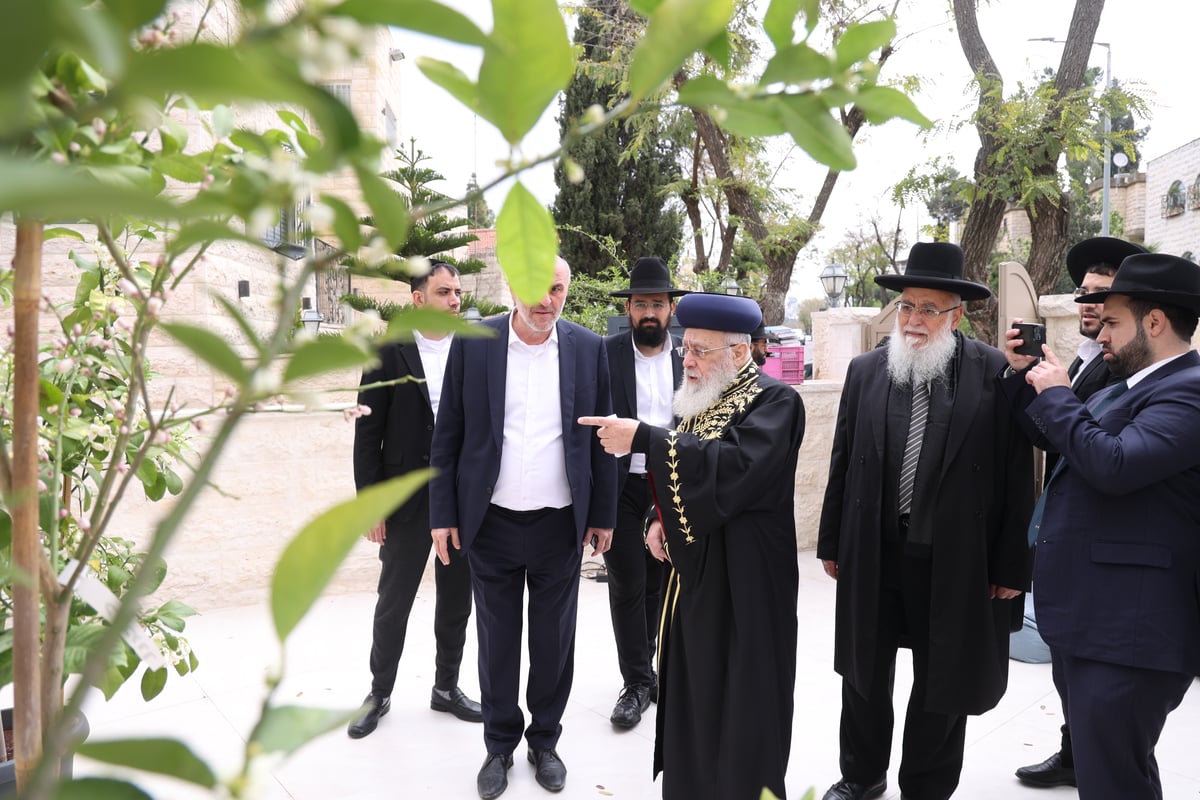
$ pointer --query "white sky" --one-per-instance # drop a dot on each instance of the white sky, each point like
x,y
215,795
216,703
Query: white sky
x,y
1152,47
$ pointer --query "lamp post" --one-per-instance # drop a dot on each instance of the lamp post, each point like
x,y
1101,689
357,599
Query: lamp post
x,y
730,286
1105,212
833,281
311,319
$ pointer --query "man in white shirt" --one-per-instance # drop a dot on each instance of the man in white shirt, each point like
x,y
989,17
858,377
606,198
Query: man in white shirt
x,y
521,489
391,440
645,371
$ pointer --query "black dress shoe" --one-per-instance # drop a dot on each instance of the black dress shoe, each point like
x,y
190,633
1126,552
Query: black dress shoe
x,y
493,775
1051,772
374,707
551,771
455,702
845,790
633,701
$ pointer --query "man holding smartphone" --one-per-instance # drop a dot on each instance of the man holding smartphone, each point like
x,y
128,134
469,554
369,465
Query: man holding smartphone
x,y
1092,264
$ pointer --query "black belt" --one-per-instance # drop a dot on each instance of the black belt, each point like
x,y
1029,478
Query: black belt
x,y
639,475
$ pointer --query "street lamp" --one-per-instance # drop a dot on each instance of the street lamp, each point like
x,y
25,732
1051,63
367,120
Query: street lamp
x,y
472,314
833,281
730,286
311,319
1107,173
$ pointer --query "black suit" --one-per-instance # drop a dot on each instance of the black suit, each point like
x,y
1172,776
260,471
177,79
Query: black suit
x,y
392,440
634,576
512,550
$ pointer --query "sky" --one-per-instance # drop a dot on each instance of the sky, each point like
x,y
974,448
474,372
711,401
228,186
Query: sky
x,y
1151,48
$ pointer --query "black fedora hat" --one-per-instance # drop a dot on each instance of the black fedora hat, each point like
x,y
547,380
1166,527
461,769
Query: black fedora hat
x,y
935,265
1157,277
649,275
1099,250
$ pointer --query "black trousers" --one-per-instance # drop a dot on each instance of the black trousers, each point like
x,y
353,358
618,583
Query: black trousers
x,y
512,550
404,555
634,585
933,743
1116,714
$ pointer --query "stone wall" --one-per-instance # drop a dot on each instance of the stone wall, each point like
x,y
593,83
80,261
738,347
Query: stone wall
x,y
1178,234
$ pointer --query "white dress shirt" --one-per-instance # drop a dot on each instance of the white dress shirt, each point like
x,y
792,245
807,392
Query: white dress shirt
x,y
655,393
1088,350
533,464
434,353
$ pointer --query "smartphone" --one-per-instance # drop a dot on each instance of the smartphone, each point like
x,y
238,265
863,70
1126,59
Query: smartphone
x,y
1033,336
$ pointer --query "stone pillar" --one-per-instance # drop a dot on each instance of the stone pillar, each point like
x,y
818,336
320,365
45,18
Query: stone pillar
x,y
837,338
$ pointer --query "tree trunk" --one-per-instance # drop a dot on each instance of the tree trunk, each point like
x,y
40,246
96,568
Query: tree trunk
x,y
27,547
986,213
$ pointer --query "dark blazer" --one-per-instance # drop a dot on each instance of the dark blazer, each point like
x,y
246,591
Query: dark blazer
x,y
1118,553
620,349
1094,378
394,438
982,502
469,434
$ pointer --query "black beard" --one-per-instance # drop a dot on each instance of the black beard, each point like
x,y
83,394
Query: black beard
x,y
649,335
1133,357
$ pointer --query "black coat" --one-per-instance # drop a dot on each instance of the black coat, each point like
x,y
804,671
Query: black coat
x,y
394,438
623,375
980,513
726,488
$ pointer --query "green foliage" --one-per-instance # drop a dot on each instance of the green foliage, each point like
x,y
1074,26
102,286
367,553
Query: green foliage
x,y
590,304
614,182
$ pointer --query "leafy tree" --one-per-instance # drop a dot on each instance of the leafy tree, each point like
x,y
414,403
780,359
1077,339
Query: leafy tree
x,y
1022,137
478,213
432,234
614,182
866,253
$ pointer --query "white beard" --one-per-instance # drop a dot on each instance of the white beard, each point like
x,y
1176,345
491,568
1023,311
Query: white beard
x,y
693,399
909,366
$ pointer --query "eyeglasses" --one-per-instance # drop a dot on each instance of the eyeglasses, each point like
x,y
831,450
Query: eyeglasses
x,y
696,352
642,305
1080,292
928,313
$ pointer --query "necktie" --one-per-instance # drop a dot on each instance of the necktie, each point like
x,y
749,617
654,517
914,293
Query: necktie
x,y
912,446
1098,402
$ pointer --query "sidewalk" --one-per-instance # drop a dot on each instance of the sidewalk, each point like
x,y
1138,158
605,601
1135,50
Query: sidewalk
x,y
419,753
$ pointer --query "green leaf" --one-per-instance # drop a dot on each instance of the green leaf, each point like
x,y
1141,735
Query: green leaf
x,y
187,169
387,207
778,21
222,120
235,313
48,395
452,79
429,320
286,728
676,29
796,64
62,233
153,682
345,223
210,348
98,789
859,41
52,191
174,482
423,16
757,117
131,14
526,244
816,132
812,15
158,756
177,609
881,103
310,559
706,90
527,62
645,7
324,354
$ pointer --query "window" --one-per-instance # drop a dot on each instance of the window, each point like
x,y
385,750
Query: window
x,y
1174,201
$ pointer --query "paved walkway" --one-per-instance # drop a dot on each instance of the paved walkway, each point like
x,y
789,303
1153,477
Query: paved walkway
x,y
419,753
